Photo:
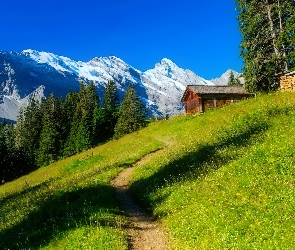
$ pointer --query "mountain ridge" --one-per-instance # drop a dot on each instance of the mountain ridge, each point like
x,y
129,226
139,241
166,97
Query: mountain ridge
x,y
22,75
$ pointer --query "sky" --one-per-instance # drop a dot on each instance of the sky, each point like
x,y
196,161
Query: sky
x,y
202,36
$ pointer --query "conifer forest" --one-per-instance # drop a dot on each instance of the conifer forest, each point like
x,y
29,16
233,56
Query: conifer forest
x,y
55,128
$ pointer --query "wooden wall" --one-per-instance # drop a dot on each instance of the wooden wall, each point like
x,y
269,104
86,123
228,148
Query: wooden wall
x,y
193,104
197,104
214,103
287,83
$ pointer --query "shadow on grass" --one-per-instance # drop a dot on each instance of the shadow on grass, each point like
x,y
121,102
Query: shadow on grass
x,y
191,165
59,213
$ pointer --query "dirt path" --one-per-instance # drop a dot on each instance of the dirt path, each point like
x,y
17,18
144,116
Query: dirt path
x,y
143,231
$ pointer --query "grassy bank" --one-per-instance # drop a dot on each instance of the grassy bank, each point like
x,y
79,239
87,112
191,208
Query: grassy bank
x,y
70,204
222,180
228,180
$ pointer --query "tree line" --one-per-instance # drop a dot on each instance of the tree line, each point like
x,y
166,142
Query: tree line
x,y
54,128
268,41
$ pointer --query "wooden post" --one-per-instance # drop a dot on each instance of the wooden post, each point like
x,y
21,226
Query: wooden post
x,y
201,105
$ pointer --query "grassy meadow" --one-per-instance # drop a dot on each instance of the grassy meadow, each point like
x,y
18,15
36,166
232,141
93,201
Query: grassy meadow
x,y
70,204
221,180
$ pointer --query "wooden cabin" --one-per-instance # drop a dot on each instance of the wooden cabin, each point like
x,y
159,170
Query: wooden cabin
x,y
199,98
287,82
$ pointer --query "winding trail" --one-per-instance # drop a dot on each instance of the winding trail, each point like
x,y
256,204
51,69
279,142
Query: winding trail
x,y
143,231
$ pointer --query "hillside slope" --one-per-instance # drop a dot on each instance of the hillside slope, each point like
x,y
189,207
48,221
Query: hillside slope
x,y
228,180
221,180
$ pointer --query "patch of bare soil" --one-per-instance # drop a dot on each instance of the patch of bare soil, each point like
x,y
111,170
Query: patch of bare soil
x,y
143,231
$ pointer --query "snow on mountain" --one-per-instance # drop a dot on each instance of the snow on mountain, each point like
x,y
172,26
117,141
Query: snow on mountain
x,y
8,86
168,69
98,70
9,106
34,74
165,84
57,62
223,80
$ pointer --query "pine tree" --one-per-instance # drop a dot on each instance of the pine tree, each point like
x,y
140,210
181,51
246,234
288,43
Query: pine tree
x,y
12,163
70,144
132,114
28,130
89,115
86,132
3,153
20,128
231,80
68,110
51,135
267,29
83,133
107,116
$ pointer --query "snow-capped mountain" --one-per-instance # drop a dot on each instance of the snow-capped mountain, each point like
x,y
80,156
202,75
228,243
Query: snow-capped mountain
x,y
34,74
223,80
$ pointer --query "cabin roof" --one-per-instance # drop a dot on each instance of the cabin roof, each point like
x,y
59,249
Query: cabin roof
x,y
214,90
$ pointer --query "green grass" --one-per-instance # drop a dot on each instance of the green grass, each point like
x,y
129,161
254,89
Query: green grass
x,y
222,180
228,182
70,204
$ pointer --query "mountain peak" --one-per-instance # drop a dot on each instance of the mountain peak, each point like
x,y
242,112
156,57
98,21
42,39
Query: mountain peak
x,y
42,57
37,55
29,51
160,88
223,79
113,58
167,61
167,64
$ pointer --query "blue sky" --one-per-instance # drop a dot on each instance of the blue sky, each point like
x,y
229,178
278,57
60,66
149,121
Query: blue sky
x,y
199,35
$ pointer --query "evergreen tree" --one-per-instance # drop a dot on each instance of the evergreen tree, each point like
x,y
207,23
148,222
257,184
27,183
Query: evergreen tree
x,y
86,132
12,161
51,135
83,133
107,116
16,159
89,115
132,114
72,144
68,110
231,80
3,153
19,128
267,45
28,130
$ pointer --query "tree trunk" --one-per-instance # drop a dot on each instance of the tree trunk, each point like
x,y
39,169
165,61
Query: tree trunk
x,y
272,30
281,31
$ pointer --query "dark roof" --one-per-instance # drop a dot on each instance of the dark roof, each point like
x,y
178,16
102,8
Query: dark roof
x,y
216,90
